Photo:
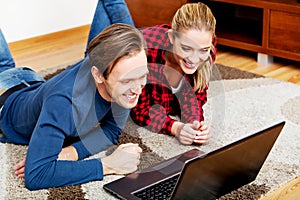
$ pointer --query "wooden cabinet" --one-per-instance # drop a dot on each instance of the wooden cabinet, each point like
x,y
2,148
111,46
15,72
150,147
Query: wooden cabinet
x,y
153,12
268,27
284,31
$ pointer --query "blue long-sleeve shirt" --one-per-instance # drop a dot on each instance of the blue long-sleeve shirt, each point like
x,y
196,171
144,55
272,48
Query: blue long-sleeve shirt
x,y
48,115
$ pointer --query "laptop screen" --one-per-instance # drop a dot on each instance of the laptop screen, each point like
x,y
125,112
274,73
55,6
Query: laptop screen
x,y
226,169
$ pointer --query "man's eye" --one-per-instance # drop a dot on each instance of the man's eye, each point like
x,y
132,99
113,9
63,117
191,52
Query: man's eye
x,y
125,81
143,77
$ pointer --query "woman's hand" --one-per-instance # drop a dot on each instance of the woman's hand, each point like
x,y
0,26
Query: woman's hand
x,y
188,133
202,136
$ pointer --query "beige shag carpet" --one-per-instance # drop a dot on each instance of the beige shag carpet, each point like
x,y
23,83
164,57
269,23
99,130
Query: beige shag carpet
x,y
240,103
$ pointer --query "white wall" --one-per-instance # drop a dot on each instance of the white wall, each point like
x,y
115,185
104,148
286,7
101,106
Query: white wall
x,y
22,19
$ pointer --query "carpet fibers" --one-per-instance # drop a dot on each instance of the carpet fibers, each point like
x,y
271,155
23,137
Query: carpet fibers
x,y
239,103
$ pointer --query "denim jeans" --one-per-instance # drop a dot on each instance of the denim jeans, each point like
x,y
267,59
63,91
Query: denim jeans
x,y
109,12
6,60
16,76
9,75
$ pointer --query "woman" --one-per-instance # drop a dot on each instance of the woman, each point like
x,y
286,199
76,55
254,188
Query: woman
x,y
180,57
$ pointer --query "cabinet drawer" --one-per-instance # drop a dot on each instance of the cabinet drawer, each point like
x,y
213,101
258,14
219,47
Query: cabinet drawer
x,y
284,31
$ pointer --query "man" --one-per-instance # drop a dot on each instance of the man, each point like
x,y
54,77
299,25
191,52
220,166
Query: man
x,y
77,113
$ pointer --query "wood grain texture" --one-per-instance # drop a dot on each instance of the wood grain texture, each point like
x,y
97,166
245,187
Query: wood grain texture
x,y
150,13
51,50
284,31
289,191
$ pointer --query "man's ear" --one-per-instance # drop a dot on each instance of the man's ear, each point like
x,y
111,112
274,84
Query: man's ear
x,y
171,35
98,77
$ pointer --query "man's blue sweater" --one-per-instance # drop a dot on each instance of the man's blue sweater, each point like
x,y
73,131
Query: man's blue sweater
x,y
66,109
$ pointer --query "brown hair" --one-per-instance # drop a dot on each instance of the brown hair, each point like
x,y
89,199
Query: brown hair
x,y
113,43
196,16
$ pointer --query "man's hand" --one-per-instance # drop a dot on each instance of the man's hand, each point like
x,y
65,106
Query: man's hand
x,y
123,160
19,168
67,153
197,132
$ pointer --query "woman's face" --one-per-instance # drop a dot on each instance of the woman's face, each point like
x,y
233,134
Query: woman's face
x,y
191,48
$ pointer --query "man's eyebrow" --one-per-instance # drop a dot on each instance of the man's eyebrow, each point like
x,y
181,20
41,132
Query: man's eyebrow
x,y
128,79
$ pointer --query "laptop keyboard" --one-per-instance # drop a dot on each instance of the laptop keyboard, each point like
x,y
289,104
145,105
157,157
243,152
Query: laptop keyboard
x,y
160,190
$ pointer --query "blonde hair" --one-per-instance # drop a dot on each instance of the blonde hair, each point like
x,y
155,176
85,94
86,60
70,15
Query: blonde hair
x,y
196,16
114,43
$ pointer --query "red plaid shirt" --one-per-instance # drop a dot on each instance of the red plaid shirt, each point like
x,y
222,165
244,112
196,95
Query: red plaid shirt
x,y
157,103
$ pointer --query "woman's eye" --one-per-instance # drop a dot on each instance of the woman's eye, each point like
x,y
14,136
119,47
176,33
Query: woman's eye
x,y
185,48
204,51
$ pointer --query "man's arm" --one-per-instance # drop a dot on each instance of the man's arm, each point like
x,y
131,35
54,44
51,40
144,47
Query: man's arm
x,y
123,160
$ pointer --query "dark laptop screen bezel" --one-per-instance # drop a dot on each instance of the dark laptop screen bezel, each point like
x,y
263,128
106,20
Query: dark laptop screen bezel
x,y
227,168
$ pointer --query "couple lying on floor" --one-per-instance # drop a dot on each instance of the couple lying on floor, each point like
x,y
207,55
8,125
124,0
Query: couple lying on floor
x,y
157,75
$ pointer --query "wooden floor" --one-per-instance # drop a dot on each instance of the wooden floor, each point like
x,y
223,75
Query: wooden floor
x,y
66,47
289,191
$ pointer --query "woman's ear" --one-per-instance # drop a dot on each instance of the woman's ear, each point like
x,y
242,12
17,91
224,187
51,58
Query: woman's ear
x,y
171,35
97,75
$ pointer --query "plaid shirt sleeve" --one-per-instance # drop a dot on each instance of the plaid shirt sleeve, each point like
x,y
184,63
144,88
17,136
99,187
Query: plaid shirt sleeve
x,y
191,103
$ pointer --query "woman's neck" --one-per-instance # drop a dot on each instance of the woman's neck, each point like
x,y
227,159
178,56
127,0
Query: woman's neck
x,y
172,70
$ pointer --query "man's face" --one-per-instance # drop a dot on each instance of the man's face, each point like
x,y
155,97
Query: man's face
x,y
125,82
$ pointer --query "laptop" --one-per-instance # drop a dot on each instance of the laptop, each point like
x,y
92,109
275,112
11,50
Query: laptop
x,y
198,175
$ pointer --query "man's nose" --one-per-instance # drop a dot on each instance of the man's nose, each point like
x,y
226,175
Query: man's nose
x,y
137,89
138,84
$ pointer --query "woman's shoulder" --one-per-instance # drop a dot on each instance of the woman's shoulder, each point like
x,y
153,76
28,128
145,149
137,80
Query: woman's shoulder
x,y
160,27
155,73
156,35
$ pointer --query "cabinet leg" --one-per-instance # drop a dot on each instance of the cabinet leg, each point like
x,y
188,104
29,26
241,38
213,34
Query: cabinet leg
x,y
264,59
